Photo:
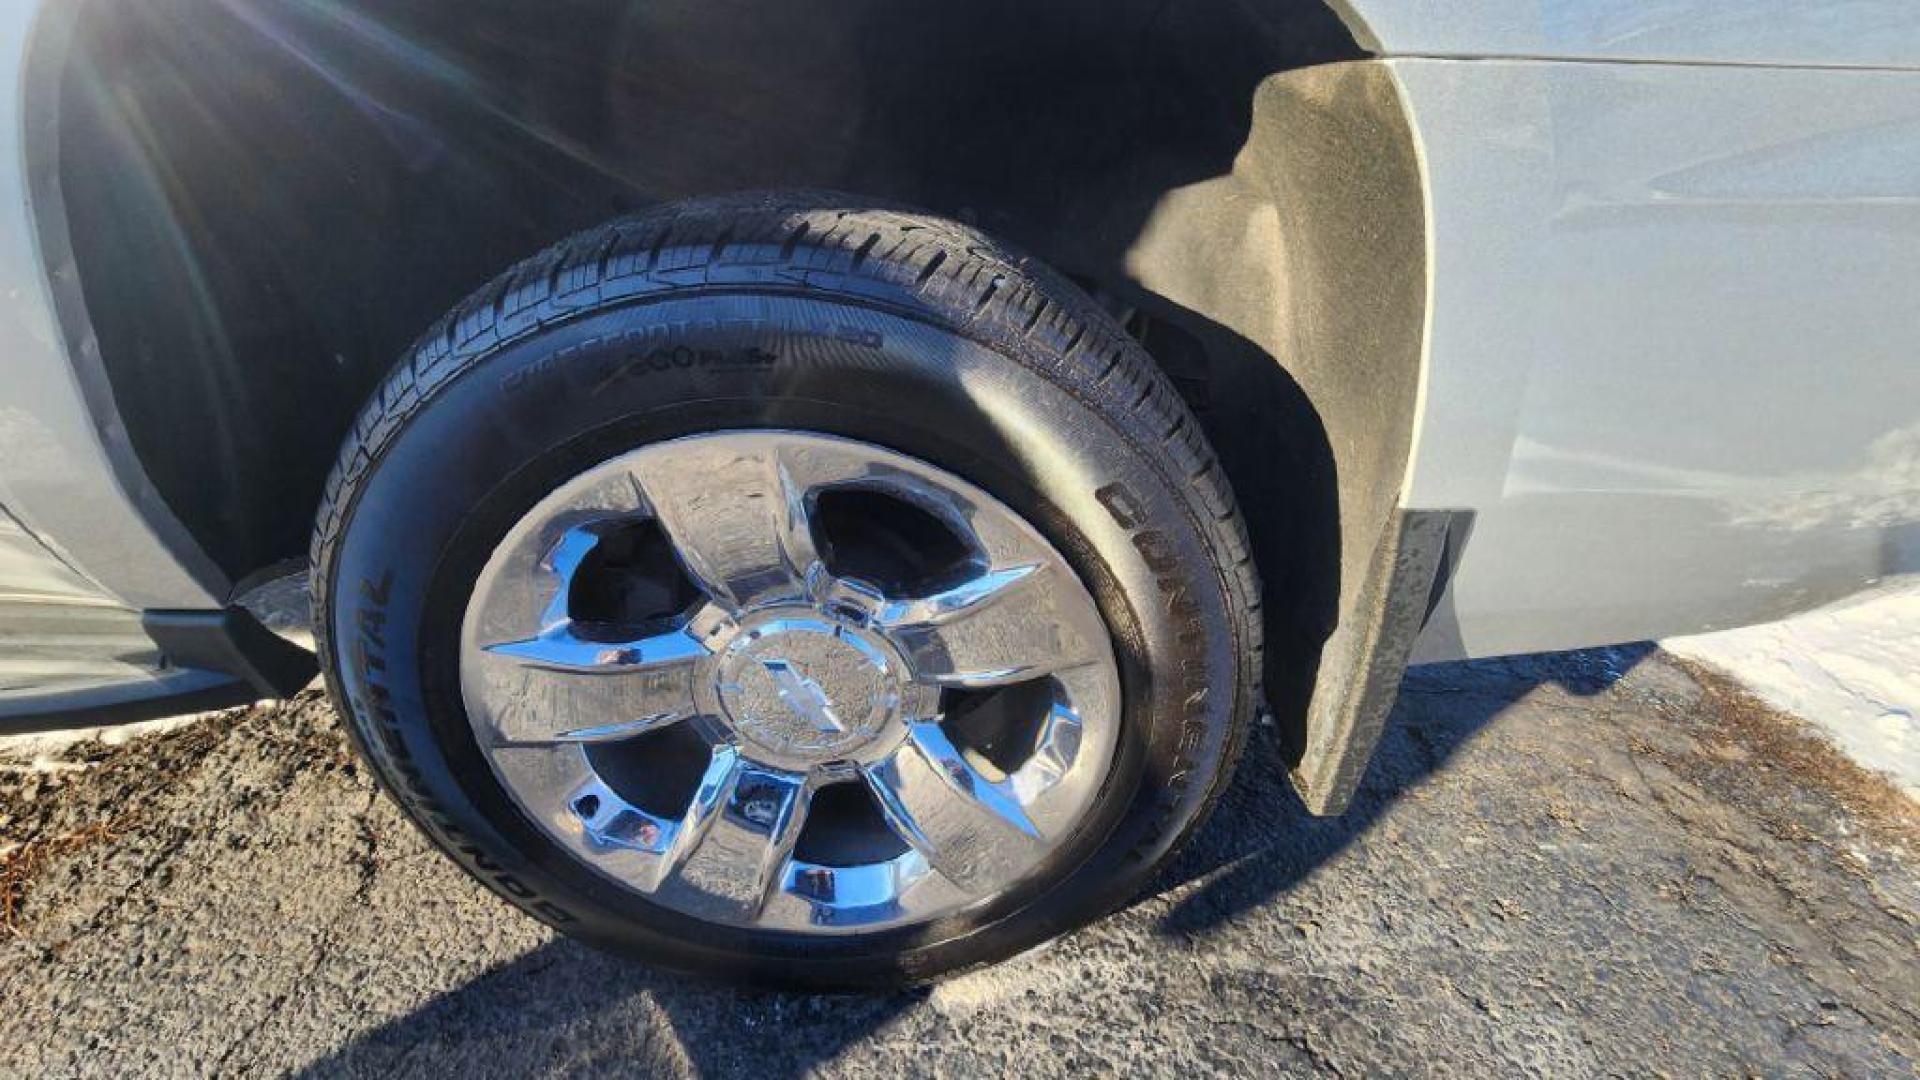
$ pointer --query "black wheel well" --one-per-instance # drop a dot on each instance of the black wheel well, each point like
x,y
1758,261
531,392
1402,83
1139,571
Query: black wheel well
x,y
267,200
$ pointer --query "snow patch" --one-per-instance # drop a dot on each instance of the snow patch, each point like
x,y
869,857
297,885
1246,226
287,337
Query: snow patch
x,y
1851,670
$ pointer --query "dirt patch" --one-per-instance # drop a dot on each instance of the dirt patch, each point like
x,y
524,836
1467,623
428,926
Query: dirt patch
x,y
57,806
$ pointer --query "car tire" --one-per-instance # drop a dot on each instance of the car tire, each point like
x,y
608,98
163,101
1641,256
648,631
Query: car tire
x,y
747,322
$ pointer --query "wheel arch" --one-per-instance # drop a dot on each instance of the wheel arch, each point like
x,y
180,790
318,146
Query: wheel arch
x,y
256,250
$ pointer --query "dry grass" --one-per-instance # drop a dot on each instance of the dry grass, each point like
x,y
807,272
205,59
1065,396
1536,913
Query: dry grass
x,y
1783,742
20,866
87,804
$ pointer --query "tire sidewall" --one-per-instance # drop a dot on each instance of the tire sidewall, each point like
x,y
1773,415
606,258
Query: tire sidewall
x,y
476,453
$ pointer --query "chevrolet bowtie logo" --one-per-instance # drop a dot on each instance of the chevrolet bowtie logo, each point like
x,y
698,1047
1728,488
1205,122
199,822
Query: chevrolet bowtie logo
x,y
803,695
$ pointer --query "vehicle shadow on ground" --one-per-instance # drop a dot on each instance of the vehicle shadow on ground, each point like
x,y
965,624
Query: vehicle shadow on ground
x,y
564,1002
1261,841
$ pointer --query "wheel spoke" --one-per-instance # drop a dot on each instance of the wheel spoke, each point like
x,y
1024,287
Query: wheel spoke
x,y
560,688
1001,626
1053,755
729,852
611,823
970,828
558,786
737,518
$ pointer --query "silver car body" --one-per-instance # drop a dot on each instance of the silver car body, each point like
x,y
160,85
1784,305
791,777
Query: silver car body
x,y
1669,362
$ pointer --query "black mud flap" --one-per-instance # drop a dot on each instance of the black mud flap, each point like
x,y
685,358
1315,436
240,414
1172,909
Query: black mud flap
x,y
1363,660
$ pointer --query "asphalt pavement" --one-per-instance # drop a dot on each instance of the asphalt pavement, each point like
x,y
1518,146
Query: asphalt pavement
x,y
1602,863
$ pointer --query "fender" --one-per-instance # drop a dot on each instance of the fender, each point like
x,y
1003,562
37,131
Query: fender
x,y
1773,33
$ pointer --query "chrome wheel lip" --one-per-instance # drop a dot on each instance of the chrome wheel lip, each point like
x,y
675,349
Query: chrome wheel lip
x,y
537,697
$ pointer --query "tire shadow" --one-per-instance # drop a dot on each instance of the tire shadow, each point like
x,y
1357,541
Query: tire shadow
x,y
568,1008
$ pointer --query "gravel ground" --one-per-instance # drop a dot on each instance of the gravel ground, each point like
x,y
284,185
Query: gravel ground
x,y
1601,863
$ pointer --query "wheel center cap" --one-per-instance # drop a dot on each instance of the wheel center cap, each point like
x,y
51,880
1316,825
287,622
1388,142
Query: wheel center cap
x,y
807,688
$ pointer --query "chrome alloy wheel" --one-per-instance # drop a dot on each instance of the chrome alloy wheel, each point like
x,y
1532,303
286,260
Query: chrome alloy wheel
x,y
790,681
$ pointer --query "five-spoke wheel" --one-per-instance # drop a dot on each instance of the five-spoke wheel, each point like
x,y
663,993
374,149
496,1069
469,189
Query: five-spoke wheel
x,y
779,679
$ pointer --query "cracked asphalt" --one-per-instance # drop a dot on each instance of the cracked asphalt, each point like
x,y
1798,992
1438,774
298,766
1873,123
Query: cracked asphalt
x,y
1594,864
